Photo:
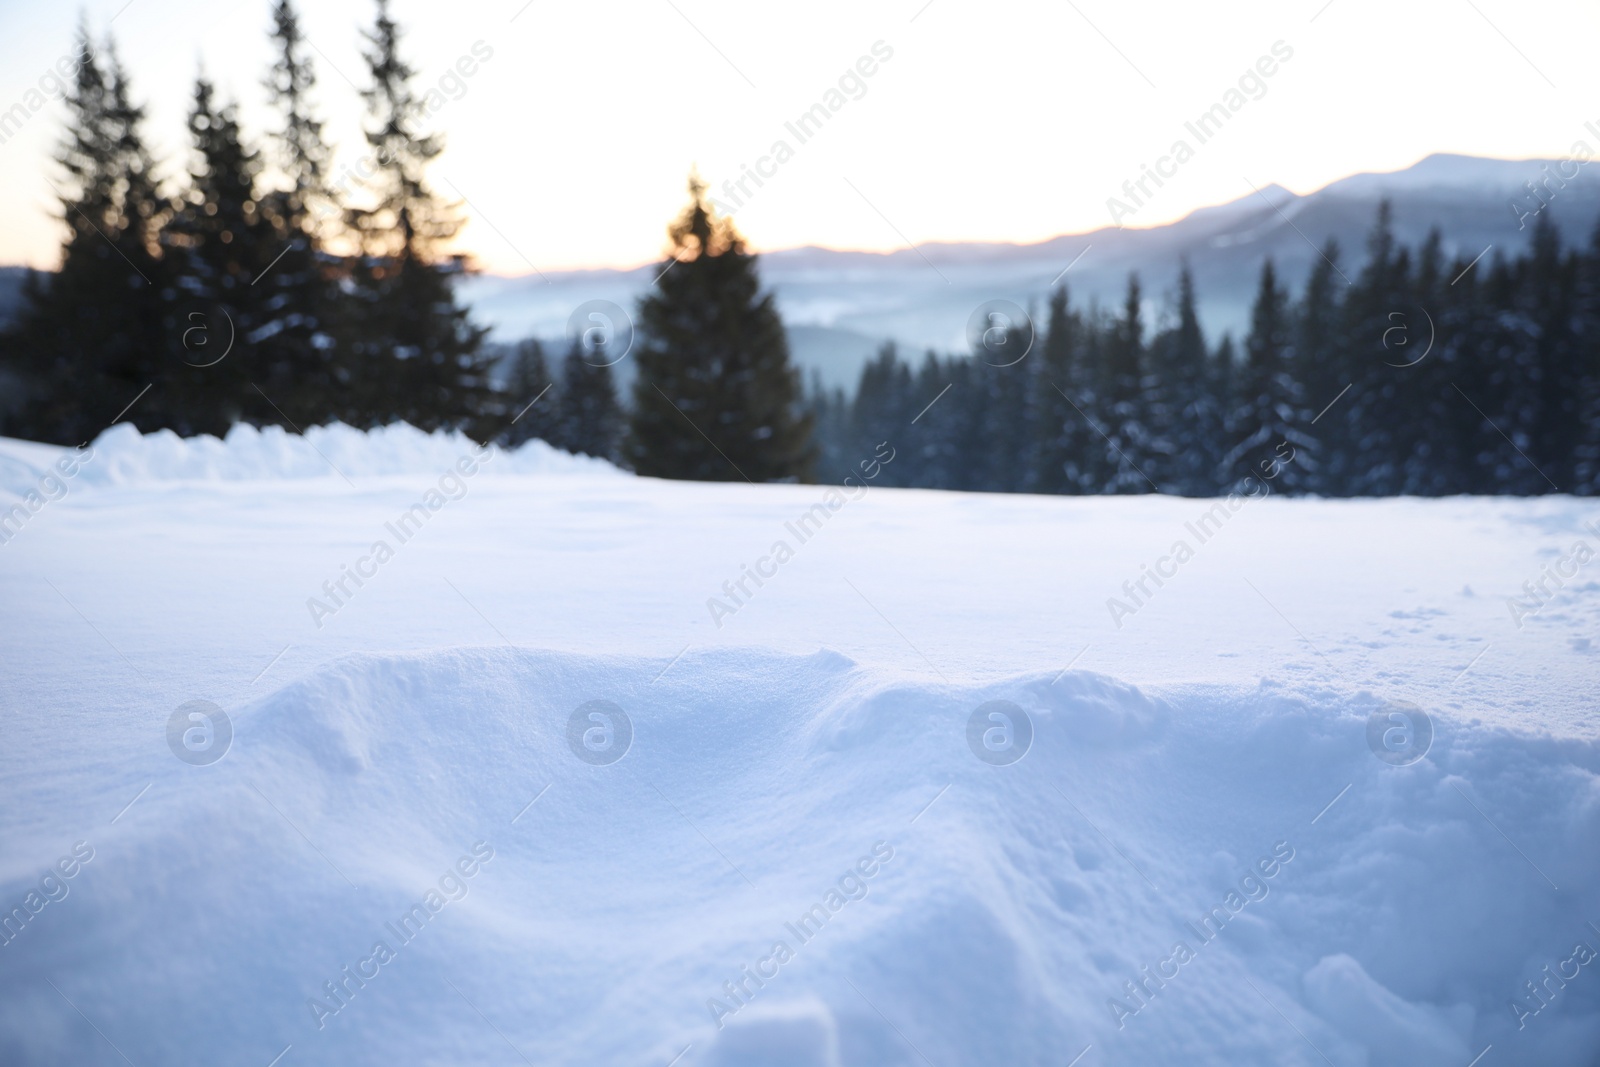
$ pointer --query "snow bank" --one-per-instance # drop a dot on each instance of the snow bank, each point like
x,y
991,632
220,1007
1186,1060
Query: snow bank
x,y
121,456
773,859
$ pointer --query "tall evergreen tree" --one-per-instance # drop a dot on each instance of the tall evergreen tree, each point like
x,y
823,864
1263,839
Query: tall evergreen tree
x,y
530,410
415,353
590,417
1188,418
1127,435
1317,341
1377,316
219,242
301,287
1063,379
715,397
95,335
1269,424
882,411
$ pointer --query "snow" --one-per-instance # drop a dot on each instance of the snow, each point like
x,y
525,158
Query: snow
x,y
1213,756
123,456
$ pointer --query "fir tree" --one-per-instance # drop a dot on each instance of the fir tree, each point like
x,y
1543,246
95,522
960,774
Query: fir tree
x,y
530,410
301,286
715,397
1062,379
95,335
219,242
882,412
1127,435
416,355
1317,342
589,417
1268,428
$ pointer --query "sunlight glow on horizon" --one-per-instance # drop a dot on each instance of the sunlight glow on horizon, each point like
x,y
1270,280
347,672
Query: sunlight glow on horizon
x,y
572,142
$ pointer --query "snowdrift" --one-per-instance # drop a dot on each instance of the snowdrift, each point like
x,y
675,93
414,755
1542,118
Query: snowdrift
x,y
121,455
745,858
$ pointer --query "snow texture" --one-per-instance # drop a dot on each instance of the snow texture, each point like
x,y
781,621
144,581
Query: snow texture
x,y
412,851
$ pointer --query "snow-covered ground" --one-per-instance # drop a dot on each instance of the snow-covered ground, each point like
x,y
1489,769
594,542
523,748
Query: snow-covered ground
x,y
1324,796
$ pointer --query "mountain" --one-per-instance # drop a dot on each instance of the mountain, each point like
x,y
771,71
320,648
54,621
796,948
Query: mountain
x,y
839,304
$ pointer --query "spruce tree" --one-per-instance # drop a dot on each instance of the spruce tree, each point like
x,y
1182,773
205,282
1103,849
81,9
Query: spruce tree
x,y
91,338
530,408
1268,432
1586,470
1184,423
414,352
1323,372
934,436
1127,435
1060,429
301,287
883,411
1549,289
219,242
589,416
715,398
1374,311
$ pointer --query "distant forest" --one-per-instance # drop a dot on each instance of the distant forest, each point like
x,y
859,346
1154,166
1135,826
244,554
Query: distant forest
x,y
1411,375
250,289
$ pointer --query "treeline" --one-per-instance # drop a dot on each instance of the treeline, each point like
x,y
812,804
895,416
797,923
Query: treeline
x,y
1413,375
249,289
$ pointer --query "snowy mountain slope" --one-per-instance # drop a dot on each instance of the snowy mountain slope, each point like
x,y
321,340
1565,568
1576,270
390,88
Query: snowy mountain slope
x,y
824,731
896,295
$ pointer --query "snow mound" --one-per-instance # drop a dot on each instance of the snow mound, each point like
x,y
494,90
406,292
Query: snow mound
x,y
742,857
122,456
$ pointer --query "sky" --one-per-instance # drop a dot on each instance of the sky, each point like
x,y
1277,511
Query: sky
x,y
569,145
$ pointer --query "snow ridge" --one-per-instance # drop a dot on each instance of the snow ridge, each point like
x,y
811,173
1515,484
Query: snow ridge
x,y
124,456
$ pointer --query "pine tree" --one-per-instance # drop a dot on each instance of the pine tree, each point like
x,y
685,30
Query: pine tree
x,y
1268,431
415,354
1062,378
1186,419
589,416
1127,435
93,337
715,398
301,286
935,447
220,241
530,408
1317,344
1586,472
1549,302
1377,316
882,412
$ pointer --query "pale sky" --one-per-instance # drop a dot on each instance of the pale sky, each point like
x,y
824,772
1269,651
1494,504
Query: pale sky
x,y
1003,120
